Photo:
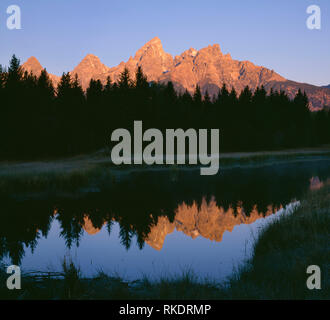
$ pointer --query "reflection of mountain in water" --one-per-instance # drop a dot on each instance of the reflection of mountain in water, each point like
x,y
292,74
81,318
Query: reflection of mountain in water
x,y
149,206
207,220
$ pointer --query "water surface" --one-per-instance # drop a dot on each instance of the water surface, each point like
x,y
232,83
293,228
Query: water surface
x,y
155,222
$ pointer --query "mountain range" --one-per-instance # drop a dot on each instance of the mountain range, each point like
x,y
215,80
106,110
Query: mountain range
x,y
207,67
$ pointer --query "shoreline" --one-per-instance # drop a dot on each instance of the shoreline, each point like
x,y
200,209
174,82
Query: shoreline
x,y
88,173
101,159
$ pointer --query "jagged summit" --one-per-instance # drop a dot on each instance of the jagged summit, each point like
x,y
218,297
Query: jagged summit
x,y
154,42
213,49
32,60
190,53
90,67
153,47
91,61
33,65
91,58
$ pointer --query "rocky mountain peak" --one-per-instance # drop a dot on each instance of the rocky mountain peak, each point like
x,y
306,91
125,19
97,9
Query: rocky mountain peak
x,y
152,49
90,67
33,65
93,62
188,54
152,58
154,43
213,51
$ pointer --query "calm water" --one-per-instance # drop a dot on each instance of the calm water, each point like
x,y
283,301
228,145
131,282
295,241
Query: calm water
x,y
156,222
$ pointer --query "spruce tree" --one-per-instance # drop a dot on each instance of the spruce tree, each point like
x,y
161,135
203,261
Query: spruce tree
x,y
125,81
141,81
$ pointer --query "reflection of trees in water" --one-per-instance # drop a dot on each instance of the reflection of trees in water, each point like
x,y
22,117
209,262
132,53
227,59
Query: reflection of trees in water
x,y
22,224
137,203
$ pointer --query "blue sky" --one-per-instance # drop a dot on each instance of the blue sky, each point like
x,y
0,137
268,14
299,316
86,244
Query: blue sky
x,y
269,33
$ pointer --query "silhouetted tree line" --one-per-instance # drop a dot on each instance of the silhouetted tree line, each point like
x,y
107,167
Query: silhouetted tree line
x,y
38,120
